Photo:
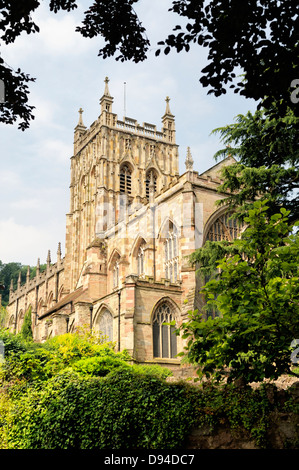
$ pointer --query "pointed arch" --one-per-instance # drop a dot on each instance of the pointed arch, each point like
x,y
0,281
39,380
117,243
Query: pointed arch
x,y
138,255
20,321
114,269
11,323
50,301
113,255
169,238
103,322
164,337
60,293
220,226
40,307
151,173
139,239
125,178
165,226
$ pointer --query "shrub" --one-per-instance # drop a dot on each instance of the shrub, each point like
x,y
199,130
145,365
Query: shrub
x,y
99,366
123,410
26,330
13,344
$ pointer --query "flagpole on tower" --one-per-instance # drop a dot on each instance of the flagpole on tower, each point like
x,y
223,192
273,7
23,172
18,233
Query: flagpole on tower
x,y
125,99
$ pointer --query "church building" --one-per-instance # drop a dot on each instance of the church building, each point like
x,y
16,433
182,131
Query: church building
x,y
132,223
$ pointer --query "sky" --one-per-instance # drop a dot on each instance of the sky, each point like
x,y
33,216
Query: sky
x,y
35,164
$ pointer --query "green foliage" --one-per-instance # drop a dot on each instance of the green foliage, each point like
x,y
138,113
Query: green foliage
x,y
266,150
99,366
257,294
3,316
91,397
153,369
260,38
122,410
10,272
13,344
26,330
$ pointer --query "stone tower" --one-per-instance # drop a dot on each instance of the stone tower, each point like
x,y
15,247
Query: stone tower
x,y
113,164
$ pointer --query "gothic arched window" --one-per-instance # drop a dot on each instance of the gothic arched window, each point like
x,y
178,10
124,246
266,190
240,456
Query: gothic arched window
x,y
106,325
125,180
224,228
171,258
164,337
151,175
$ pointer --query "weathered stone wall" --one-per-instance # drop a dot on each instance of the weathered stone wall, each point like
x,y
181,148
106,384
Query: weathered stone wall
x,y
282,433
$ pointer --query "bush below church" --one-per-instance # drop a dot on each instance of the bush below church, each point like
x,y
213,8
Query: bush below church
x,y
125,409
70,393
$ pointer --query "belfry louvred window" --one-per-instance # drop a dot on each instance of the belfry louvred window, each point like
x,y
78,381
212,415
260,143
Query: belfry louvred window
x,y
164,337
151,175
125,180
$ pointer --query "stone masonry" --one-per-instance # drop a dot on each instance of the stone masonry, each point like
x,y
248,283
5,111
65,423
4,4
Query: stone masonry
x,y
132,223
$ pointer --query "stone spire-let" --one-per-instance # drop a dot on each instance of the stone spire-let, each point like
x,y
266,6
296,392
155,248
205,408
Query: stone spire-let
x,y
106,91
19,280
106,100
168,123
167,110
80,125
37,267
189,160
59,254
49,258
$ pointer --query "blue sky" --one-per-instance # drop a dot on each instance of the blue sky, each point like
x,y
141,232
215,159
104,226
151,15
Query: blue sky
x,y
35,164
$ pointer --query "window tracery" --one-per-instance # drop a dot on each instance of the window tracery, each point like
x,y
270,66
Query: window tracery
x,y
164,337
106,325
224,228
171,258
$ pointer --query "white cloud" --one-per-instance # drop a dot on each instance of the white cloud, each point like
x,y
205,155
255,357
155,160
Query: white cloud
x,y
58,36
8,180
24,243
27,204
56,152
34,173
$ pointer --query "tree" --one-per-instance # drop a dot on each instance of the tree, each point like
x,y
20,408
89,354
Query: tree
x,y
10,272
257,296
267,157
26,330
258,37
